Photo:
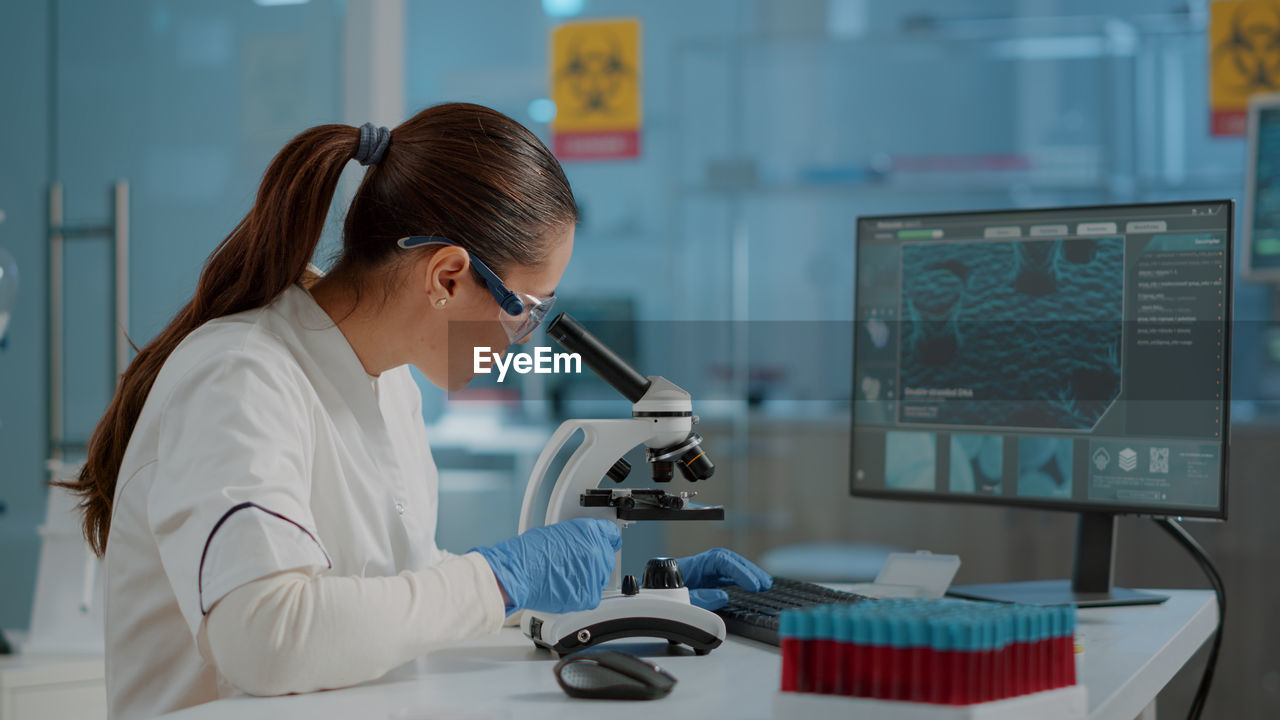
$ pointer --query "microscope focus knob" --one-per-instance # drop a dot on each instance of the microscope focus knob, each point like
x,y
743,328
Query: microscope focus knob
x,y
630,586
662,573
620,470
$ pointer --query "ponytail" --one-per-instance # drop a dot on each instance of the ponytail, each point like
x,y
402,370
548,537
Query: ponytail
x,y
266,253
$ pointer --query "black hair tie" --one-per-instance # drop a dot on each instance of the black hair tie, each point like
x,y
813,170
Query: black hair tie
x,y
373,144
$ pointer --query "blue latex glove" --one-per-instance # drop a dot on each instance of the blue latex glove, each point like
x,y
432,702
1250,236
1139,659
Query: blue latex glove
x,y
707,571
558,568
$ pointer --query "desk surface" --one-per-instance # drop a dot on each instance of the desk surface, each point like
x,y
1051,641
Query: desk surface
x,y
1129,655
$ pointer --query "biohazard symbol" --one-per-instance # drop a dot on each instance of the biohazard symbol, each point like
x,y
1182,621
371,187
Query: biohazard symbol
x,y
1248,58
596,73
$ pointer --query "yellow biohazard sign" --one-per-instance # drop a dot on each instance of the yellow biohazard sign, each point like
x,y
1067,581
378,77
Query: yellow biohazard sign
x,y
595,84
1244,59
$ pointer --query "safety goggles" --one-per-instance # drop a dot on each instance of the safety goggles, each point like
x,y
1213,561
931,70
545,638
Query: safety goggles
x,y
521,312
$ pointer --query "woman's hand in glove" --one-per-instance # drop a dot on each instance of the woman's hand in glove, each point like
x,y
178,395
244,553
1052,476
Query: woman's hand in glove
x,y
708,571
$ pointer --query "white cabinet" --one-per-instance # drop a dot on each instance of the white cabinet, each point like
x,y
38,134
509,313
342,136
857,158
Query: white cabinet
x,y
47,687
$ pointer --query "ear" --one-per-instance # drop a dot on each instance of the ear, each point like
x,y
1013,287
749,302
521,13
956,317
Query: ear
x,y
445,268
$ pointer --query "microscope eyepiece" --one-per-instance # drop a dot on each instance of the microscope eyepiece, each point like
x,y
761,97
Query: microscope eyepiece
x,y
596,355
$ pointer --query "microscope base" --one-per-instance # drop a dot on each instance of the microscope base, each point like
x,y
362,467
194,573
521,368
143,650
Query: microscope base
x,y
664,614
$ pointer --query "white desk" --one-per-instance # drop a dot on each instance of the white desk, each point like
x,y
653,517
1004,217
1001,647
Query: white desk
x,y
1130,654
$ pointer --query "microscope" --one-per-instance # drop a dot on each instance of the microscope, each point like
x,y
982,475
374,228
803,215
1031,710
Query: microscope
x,y
662,420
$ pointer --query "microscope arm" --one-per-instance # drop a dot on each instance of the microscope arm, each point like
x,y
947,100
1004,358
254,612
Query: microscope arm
x,y
603,442
540,468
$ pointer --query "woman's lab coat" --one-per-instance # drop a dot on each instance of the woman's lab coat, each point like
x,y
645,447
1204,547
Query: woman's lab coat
x,y
263,446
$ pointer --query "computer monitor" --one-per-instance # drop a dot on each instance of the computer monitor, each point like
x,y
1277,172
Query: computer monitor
x,y
1262,190
1067,359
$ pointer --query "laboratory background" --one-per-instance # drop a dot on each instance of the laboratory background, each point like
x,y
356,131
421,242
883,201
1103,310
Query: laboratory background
x,y
718,251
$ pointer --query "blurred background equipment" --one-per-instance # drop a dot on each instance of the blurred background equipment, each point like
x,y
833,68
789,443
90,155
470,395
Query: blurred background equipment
x,y
8,291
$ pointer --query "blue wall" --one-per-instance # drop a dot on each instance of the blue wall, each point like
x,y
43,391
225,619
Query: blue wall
x,y
188,102
24,175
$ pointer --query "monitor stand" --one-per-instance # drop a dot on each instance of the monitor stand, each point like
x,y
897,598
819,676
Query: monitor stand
x,y
1091,581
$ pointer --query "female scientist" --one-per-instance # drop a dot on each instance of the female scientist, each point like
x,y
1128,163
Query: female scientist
x,y
263,471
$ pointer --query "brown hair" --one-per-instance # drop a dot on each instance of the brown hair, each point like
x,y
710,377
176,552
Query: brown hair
x,y
461,171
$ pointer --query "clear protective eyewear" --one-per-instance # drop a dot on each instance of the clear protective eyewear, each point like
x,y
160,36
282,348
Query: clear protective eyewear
x,y
521,312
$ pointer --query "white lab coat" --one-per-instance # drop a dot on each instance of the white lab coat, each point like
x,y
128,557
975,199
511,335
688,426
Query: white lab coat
x,y
263,446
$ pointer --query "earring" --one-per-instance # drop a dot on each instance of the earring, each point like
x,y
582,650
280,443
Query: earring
x,y
441,302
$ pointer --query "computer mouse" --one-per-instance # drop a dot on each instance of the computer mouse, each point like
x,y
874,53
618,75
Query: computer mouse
x,y
612,675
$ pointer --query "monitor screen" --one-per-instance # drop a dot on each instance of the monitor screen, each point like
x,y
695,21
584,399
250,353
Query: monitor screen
x,y
1262,211
1071,358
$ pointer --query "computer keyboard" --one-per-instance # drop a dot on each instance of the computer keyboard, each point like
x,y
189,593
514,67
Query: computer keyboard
x,y
755,615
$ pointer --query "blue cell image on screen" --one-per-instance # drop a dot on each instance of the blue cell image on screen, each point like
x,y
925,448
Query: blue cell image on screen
x,y
977,463
910,461
1015,334
1044,467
